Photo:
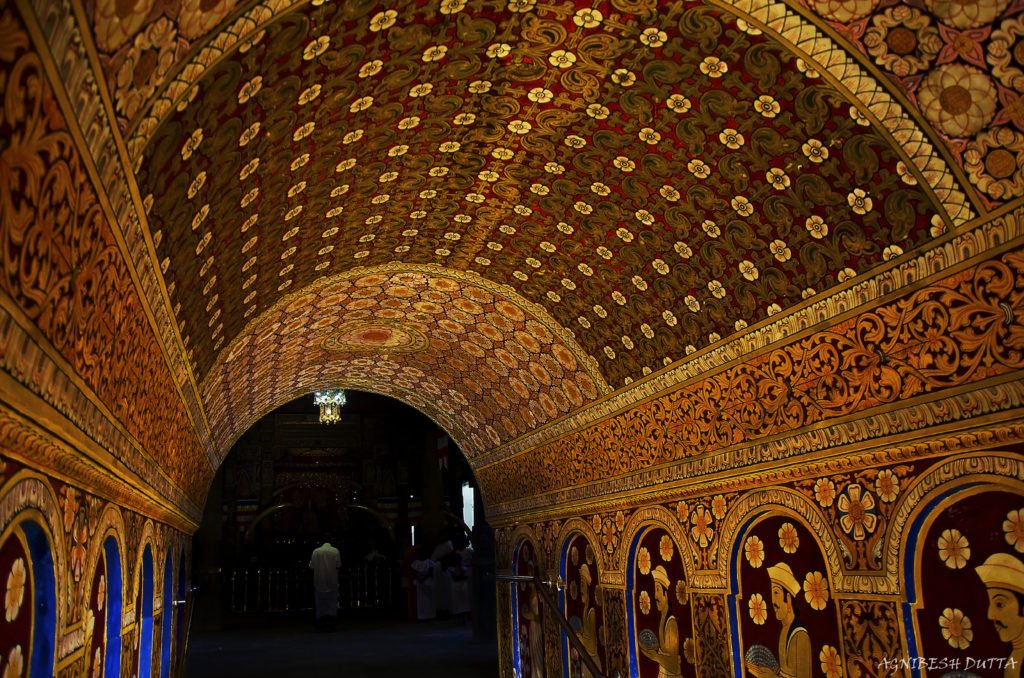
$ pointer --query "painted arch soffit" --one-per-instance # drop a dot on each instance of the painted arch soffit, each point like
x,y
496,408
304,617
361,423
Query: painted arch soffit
x,y
484,363
656,183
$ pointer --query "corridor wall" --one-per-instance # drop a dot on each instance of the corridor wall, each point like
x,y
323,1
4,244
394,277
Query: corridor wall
x,y
870,468
887,565
67,559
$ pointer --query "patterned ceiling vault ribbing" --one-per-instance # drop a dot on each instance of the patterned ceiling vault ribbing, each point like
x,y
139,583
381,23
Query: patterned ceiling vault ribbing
x,y
656,182
484,364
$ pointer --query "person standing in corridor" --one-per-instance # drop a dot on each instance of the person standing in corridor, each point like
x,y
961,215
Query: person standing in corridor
x,y
325,561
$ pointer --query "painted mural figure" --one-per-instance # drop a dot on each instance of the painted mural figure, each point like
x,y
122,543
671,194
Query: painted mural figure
x,y
532,614
794,640
667,652
1003,576
588,635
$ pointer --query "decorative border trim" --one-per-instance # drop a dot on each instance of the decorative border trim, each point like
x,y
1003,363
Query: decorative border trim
x,y
670,488
954,250
22,439
655,516
88,109
577,525
758,502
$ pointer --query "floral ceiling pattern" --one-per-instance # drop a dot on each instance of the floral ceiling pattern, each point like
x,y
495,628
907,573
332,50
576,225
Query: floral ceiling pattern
x,y
480,362
655,181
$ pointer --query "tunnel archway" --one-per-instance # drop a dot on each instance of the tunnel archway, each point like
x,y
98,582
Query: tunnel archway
x,y
637,255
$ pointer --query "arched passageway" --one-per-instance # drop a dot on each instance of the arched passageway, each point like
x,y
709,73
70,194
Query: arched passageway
x,y
388,489
694,269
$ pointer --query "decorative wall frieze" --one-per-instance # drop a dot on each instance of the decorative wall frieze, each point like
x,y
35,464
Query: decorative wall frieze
x,y
686,480
92,424
945,255
22,439
101,145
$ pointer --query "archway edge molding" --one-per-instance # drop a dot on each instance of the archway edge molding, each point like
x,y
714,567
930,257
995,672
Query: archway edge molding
x,y
110,524
578,366
789,28
655,516
753,505
147,537
455,433
526,533
577,525
997,469
28,496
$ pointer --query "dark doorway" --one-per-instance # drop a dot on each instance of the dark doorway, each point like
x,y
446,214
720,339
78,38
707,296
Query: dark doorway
x,y
390,490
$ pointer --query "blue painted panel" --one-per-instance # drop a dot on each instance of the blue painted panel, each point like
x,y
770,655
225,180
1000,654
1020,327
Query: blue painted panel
x,y
44,620
112,667
165,630
146,632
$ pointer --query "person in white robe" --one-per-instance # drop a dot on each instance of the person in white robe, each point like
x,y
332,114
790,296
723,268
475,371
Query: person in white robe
x,y
423,572
325,561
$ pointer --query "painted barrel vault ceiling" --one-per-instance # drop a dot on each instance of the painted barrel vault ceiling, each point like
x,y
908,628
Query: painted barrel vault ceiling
x,y
500,212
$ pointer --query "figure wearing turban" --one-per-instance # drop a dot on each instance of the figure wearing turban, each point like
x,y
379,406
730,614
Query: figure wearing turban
x,y
1003,576
795,659
667,652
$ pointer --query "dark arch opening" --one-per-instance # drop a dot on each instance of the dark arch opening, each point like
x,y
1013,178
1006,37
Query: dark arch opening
x,y
386,486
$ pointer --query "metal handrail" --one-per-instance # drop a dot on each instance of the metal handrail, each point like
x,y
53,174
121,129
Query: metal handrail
x,y
550,602
189,603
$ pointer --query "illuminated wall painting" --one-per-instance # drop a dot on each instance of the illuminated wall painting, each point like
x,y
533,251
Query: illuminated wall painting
x,y
972,535
785,609
661,630
583,605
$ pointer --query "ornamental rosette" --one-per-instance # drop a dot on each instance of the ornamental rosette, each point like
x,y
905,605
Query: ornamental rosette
x,y
902,40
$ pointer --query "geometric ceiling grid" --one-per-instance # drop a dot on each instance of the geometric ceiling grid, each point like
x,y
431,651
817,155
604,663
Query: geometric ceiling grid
x,y
484,364
655,183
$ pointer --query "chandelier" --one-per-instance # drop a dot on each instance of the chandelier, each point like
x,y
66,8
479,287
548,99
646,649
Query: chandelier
x,y
330,403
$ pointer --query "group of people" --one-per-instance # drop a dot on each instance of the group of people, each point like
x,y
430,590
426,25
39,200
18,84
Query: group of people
x,y
438,582
441,582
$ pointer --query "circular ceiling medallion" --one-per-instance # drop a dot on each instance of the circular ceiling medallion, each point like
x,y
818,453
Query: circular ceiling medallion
x,y
376,336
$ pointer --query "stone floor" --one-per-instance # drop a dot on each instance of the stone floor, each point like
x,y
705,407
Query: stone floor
x,y
356,649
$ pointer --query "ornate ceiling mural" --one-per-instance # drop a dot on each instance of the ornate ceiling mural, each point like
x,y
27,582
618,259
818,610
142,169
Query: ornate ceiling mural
x,y
486,365
962,66
655,181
